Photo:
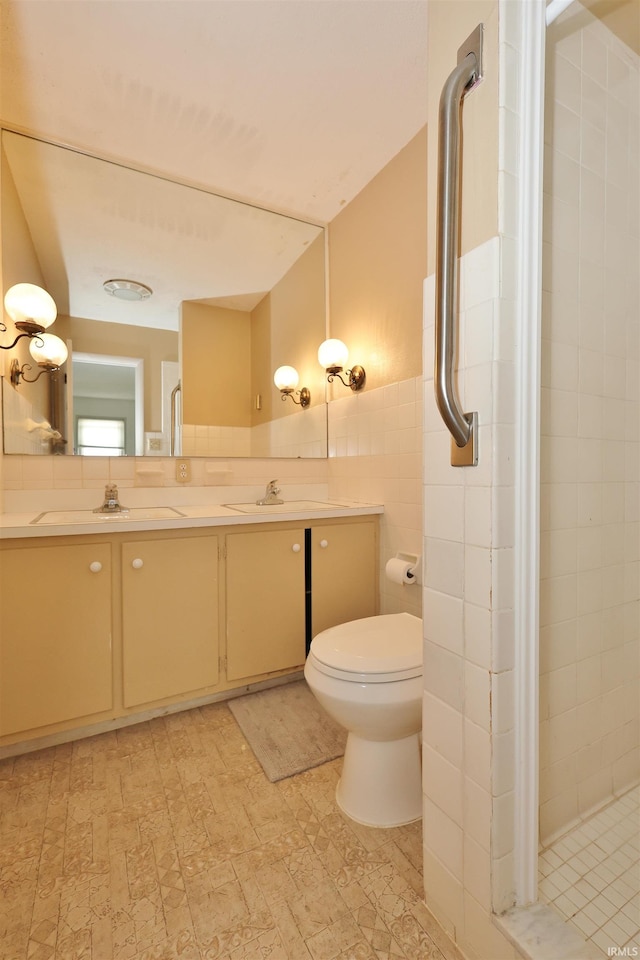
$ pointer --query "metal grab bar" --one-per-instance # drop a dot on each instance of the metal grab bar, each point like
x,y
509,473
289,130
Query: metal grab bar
x,y
172,439
462,426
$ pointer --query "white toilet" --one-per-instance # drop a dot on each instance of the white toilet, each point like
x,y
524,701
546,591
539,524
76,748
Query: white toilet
x,y
367,674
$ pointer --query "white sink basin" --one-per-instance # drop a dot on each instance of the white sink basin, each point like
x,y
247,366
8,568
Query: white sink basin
x,y
291,506
88,516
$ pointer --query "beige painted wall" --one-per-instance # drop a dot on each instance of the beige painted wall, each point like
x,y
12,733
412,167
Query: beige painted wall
x,y
287,327
377,256
621,17
263,366
449,25
216,359
377,262
20,265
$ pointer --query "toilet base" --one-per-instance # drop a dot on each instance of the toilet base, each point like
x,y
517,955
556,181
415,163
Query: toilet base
x,y
381,782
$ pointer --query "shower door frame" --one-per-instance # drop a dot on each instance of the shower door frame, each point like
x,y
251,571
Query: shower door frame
x,y
531,74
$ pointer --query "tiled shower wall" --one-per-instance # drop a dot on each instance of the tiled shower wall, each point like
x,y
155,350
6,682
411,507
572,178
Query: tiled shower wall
x,y
590,544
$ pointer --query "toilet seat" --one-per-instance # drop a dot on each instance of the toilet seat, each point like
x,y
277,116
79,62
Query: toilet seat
x,y
378,649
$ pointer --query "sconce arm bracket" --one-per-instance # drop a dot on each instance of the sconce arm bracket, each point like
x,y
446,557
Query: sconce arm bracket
x,y
10,346
357,377
16,372
304,394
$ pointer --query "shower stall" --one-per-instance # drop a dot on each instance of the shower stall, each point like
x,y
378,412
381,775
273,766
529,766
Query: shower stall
x,y
532,582
589,614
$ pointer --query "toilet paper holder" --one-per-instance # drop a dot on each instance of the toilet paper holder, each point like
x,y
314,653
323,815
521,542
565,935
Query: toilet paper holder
x,y
413,566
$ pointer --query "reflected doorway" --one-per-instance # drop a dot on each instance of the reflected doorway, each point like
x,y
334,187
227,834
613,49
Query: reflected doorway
x,y
107,387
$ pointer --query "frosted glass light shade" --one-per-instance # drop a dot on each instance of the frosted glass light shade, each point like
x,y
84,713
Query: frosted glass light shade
x,y
333,353
286,378
52,353
27,303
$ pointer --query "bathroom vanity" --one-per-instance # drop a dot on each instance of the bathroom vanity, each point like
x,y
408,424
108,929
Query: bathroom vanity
x,y
143,617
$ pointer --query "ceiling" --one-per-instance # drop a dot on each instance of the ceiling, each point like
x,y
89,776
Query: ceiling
x,y
91,221
291,104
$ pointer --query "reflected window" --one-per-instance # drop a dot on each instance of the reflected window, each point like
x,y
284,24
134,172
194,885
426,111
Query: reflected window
x,y
99,437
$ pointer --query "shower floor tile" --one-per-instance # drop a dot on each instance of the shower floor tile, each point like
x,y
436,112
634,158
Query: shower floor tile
x,y
592,877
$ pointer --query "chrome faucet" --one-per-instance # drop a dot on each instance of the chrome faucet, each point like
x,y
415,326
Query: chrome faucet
x,y
271,495
111,503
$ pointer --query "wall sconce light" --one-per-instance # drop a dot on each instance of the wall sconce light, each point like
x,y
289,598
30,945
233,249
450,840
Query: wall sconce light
x,y
32,310
286,380
48,351
333,356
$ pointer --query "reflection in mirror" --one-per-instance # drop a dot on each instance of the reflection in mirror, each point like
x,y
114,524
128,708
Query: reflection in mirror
x,y
237,292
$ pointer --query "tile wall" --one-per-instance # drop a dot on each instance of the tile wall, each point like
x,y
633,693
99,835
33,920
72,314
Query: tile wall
x,y
301,434
469,709
375,455
49,483
468,612
590,538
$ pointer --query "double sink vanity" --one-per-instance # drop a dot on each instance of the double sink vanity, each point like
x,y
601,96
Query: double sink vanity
x,y
108,618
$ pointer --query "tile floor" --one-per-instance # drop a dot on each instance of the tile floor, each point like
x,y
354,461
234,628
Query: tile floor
x,y
165,840
592,876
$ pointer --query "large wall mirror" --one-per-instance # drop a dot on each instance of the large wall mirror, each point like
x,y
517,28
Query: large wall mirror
x,y
236,292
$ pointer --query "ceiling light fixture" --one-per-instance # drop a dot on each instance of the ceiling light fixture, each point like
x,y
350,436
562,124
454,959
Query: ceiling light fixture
x,y
127,290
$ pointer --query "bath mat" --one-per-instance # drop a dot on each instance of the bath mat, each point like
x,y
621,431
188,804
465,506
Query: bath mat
x,y
287,729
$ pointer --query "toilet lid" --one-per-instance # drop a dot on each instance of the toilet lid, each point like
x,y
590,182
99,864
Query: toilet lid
x,y
387,645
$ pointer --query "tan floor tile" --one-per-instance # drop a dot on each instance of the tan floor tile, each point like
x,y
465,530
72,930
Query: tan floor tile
x,y
101,939
435,932
165,841
323,945
267,946
317,906
45,932
289,932
359,951
74,945
40,951
275,882
182,945
305,867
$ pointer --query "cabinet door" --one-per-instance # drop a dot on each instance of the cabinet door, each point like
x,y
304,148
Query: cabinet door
x,y
169,617
55,649
265,602
344,572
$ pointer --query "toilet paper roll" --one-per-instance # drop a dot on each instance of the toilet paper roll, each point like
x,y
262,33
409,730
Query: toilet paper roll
x,y
399,571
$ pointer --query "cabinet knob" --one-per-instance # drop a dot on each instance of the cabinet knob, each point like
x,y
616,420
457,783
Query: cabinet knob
x,y
296,548
137,563
324,544
95,566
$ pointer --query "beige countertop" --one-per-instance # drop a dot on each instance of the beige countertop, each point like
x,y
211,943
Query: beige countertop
x,y
56,523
